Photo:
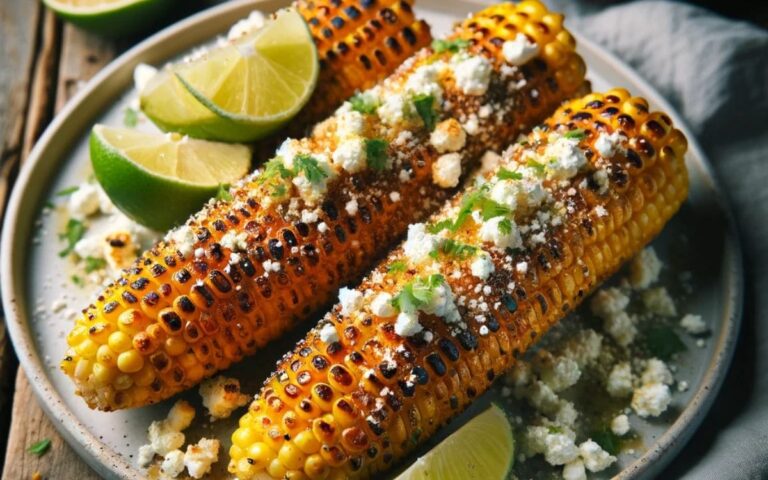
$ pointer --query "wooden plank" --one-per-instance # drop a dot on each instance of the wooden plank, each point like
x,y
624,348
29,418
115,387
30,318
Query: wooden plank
x,y
18,21
81,56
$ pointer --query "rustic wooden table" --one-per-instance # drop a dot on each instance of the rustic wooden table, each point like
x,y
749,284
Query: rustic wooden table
x,y
42,64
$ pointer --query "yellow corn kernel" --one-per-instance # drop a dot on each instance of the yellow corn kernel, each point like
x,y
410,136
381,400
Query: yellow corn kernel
x,y
103,374
307,442
130,361
291,456
175,346
87,348
119,342
106,356
316,468
261,454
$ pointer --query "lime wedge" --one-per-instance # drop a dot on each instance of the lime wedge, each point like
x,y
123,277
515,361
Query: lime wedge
x,y
160,179
482,449
238,92
112,18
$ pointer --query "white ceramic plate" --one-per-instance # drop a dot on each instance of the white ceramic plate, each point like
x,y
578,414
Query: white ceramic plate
x,y
32,272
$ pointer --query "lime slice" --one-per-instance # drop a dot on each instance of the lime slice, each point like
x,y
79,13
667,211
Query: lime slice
x,y
238,92
482,449
160,179
111,17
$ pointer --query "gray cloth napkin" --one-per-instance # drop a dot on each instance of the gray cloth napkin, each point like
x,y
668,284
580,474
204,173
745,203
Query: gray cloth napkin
x,y
715,72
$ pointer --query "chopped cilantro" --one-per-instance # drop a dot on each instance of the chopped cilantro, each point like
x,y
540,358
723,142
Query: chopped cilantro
x,y
608,441
309,166
425,107
505,174
376,153
64,192
273,169
539,167
223,193
490,208
73,232
440,226
554,429
398,266
39,448
454,46
130,117
279,190
577,134
77,280
92,264
452,248
417,293
362,104
662,342
505,226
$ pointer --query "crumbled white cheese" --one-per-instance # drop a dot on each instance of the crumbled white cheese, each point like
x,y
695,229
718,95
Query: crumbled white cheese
x,y
350,300
559,449
313,192
322,227
607,302
600,178
574,471
607,144
490,232
620,425
473,74
595,458
90,246
328,333
381,306
350,155
288,151
394,109
309,216
349,123
394,196
694,325
270,266
180,416
419,243
448,136
505,192
142,74
446,171
184,238
165,435
424,80
407,324
584,347
561,373
530,193
221,396
145,456
656,371
520,50
482,266
199,458
651,400
441,304
173,464
621,327
490,160
84,201
619,384
235,241
600,211
472,125
563,158
658,301
351,207
644,269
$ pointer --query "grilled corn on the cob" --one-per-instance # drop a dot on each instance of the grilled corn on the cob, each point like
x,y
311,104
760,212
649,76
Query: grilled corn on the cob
x,y
244,271
451,309
358,44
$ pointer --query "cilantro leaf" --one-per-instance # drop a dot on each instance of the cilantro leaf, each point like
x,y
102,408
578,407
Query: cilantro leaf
x,y
539,167
505,226
608,441
309,166
39,448
425,107
662,342
440,226
92,264
279,190
77,280
64,192
452,248
73,232
361,103
454,46
396,267
505,174
130,117
223,193
577,134
418,293
376,153
490,209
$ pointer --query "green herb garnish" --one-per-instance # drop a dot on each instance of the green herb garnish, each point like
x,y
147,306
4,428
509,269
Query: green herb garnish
x,y
505,226
273,169
64,192
73,232
361,103
662,342
440,226
539,167
223,193
440,46
92,264
576,134
396,267
77,280
309,166
49,204
130,117
425,107
39,448
279,190
417,293
452,248
608,441
505,174
376,153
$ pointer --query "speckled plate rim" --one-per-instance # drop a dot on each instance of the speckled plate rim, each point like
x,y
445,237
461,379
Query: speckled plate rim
x,y
111,81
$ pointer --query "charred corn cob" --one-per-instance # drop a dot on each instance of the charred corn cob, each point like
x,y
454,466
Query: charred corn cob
x,y
244,271
358,44
451,309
